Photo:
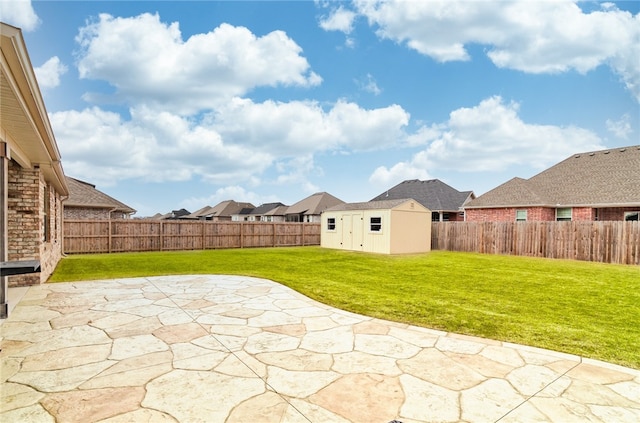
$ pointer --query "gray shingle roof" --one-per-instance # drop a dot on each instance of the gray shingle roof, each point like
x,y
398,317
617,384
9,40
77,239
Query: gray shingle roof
x,y
314,204
433,194
84,194
265,209
598,178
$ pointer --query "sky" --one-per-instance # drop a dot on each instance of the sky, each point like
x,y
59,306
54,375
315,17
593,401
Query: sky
x,y
166,105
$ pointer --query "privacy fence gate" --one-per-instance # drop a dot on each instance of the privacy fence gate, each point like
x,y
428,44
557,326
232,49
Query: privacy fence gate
x,y
110,236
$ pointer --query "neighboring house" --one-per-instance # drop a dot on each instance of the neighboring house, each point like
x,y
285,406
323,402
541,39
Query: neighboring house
x,y
173,215
86,202
597,185
444,201
310,208
32,181
242,215
269,212
222,212
388,227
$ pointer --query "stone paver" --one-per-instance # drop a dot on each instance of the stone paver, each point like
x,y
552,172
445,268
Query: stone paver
x,y
239,349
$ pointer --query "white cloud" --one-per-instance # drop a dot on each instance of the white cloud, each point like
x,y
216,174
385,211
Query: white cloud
x,y
621,128
531,36
101,146
148,62
299,128
340,19
49,73
236,143
19,13
386,177
490,137
369,85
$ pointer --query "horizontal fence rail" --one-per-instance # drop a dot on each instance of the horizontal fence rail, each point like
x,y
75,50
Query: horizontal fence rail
x,y
603,241
104,236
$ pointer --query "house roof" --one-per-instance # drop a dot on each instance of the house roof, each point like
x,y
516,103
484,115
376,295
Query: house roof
x,y
226,209
267,209
371,205
23,114
604,178
433,194
84,194
314,204
205,211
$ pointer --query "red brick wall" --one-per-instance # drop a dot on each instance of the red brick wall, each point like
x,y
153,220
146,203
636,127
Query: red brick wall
x,y
25,227
508,214
615,213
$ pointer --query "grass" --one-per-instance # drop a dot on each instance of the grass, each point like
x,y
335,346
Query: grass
x,y
582,308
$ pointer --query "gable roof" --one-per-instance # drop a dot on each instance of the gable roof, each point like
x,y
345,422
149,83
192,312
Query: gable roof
x,y
371,205
267,209
604,178
198,213
225,209
432,194
84,194
314,204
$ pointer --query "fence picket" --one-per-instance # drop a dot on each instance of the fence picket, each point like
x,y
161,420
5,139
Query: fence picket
x,y
603,241
103,236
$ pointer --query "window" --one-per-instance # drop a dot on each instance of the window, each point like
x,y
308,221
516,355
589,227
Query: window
x,y
375,224
331,224
631,216
521,215
563,214
46,224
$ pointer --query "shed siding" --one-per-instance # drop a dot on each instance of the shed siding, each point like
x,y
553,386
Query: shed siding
x,y
404,229
411,232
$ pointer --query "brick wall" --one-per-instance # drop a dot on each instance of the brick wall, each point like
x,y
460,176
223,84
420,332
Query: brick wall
x,y
508,214
27,194
84,213
615,213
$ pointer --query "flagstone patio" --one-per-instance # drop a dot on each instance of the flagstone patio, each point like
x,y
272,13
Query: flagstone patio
x,y
241,349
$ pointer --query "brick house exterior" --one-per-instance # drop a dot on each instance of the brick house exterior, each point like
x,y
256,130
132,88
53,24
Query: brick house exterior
x,y
85,202
32,186
598,185
444,201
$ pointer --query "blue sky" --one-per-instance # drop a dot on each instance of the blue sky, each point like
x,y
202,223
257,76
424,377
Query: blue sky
x,y
165,105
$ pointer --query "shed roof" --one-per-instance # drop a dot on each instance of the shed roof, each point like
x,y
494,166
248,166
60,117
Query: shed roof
x,y
314,204
433,194
604,178
371,205
84,194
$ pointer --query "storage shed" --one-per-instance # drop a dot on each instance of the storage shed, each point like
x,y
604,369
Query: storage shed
x,y
387,227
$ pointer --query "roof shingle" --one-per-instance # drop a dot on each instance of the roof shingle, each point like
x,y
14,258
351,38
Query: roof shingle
x,y
604,178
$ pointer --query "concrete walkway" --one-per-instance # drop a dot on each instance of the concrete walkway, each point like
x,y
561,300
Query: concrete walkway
x,y
240,349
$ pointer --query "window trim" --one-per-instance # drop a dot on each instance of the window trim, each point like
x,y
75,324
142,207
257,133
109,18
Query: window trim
x,y
564,218
375,227
631,213
519,218
331,226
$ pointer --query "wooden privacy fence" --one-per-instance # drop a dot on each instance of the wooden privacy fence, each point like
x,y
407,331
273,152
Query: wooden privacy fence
x,y
606,242
103,236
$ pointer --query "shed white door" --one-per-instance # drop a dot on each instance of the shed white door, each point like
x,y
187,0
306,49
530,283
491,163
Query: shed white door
x,y
352,231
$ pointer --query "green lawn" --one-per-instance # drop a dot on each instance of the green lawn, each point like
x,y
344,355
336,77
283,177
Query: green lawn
x,y
582,308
